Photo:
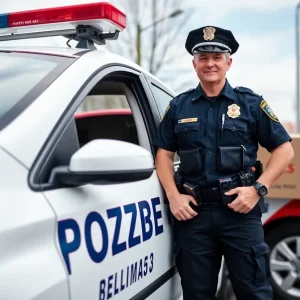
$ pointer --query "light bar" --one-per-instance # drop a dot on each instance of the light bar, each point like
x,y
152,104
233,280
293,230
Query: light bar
x,y
75,13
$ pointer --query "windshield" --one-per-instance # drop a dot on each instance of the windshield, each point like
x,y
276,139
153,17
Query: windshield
x,y
23,77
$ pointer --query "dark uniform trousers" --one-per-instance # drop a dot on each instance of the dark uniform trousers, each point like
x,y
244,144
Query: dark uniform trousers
x,y
218,230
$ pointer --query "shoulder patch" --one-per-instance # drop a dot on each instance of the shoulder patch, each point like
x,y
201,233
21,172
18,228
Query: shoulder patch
x,y
269,112
243,89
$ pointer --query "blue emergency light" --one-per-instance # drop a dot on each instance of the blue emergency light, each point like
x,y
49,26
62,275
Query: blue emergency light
x,y
3,20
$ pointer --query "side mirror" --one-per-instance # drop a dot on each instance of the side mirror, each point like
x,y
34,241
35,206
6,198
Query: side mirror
x,y
105,160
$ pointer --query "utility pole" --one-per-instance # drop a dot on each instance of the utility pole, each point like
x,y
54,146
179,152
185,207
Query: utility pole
x,y
138,44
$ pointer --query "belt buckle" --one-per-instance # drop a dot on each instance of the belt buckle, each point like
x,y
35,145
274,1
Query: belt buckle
x,y
216,194
206,195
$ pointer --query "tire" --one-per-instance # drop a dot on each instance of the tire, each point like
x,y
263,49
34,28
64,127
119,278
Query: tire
x,y
286,233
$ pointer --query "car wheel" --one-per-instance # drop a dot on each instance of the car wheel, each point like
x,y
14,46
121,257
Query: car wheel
x,y
284,243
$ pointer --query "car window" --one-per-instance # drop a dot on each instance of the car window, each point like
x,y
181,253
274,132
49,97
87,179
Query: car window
x,y
162,98
24,76
98,102
105,117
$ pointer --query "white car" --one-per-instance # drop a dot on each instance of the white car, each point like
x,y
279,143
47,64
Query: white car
x,y
83,215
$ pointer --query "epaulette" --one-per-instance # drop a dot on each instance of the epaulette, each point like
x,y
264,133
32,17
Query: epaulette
x,y
188,91
243,89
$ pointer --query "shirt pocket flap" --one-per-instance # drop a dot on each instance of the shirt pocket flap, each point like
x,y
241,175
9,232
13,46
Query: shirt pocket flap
x,y
185,127
235,126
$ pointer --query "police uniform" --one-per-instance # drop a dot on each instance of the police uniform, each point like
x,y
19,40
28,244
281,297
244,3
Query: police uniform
x,y
217,137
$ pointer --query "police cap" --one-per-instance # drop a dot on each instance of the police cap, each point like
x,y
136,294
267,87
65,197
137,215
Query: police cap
x,y
211,39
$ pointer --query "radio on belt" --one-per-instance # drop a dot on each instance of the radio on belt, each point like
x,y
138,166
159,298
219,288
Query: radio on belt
x,y
87,23
225,186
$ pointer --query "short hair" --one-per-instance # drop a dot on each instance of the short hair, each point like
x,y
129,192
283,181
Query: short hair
x,y
226,54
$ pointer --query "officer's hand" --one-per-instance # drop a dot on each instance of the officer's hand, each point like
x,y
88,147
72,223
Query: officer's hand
x,y
180,207
246,200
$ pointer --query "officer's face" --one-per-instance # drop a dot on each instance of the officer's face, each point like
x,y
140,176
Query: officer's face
x,y
211,67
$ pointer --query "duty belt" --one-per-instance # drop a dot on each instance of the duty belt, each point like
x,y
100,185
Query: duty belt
x,y
246,177
212,194
217,193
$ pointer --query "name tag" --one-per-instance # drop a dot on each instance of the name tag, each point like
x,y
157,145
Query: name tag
x,y
189,120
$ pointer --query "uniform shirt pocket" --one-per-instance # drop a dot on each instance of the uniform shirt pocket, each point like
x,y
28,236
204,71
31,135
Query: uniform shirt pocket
x,y
187,133
233,133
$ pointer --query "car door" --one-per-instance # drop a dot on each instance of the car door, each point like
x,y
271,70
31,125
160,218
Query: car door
x,y
115,239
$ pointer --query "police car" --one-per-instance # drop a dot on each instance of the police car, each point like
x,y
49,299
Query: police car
x,y
83,215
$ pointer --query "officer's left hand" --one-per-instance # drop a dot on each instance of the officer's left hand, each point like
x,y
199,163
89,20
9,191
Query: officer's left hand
x,y
246,200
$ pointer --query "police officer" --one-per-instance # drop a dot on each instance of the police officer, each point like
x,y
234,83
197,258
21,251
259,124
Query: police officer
x,y
216,129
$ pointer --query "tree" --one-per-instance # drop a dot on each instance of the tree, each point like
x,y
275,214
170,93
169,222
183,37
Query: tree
x,y
153,27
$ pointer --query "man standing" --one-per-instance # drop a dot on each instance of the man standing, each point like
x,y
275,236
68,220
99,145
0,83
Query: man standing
x,y
216,130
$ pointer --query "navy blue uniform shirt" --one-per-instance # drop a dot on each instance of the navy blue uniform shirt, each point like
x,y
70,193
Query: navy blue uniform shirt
x,y
193,120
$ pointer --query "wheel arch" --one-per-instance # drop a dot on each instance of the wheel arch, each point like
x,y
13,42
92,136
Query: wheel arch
x,y
270,226
288,213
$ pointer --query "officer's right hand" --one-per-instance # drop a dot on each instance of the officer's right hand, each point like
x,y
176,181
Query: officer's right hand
x,y
180,207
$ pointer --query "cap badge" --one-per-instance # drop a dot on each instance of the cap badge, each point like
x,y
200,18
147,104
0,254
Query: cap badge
x,y
209,33
233,111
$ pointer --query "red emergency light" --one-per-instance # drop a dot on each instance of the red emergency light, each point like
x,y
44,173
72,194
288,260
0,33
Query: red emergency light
x,y
84,12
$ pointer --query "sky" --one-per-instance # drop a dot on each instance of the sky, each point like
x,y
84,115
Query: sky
x,y
265,30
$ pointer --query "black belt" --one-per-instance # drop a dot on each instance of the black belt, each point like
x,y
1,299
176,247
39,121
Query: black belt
x,y
216,193
213,194
209,195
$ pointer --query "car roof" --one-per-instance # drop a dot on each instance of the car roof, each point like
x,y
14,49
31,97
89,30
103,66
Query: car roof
x,y
76,52
59,51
